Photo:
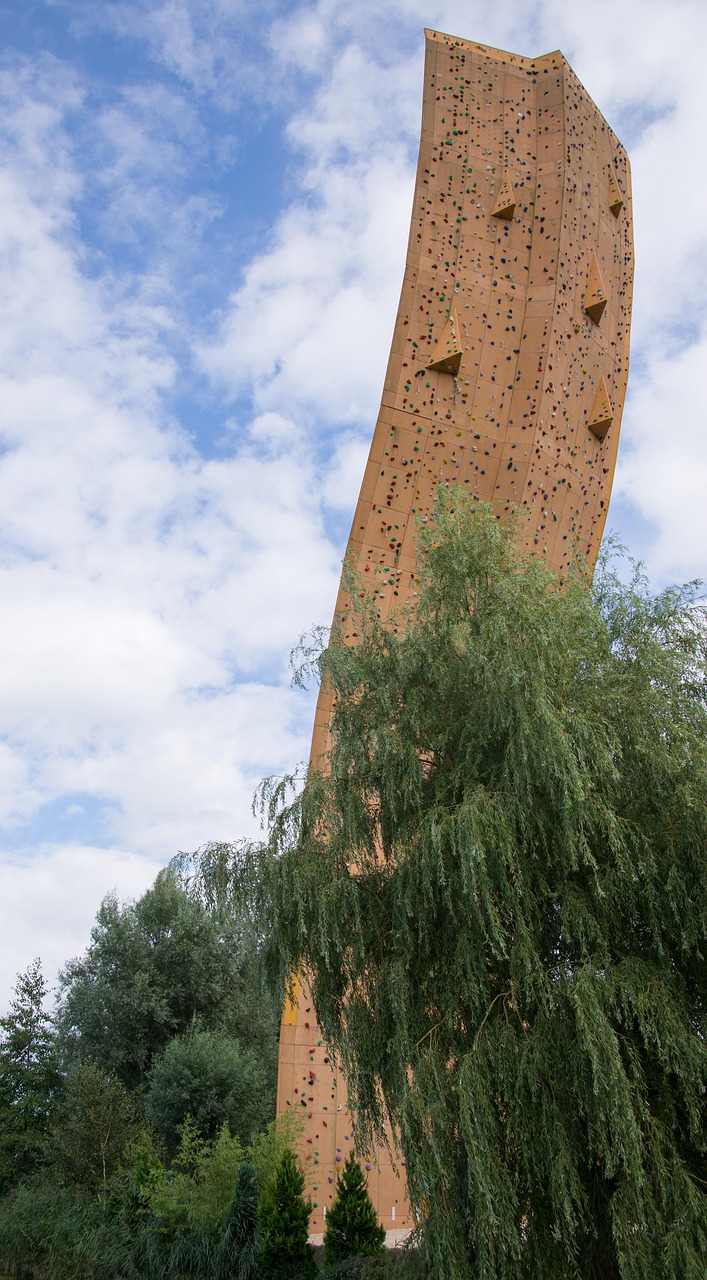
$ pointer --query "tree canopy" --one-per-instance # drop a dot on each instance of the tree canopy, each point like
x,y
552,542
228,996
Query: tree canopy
x,y
496,885
155,968
210,1077
122,1137
92,1128
30,1081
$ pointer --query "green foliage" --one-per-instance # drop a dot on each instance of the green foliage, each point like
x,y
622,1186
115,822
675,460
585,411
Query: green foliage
x,y
268,1148
141,1174
352,1226
49,1231
203,1213
498,889
284,1225
227,881
29,1077
92,1129
172,1007
403,1262
210,1077
155,968
360,1267
149,1222
355,1268
237,1256
198,1190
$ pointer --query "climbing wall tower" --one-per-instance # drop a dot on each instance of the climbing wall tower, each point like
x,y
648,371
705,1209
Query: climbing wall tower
x,y
507,376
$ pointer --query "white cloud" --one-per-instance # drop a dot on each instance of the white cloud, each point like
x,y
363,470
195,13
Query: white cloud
x,y
85,656
310,325
345,472
664,473
49,900
143,587
152,578
207,44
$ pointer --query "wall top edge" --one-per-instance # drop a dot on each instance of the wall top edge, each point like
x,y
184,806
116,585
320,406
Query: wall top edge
x,y
554,59
529,66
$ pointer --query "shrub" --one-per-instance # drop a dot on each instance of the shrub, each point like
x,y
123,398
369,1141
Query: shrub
x,y
361,1267
210,1077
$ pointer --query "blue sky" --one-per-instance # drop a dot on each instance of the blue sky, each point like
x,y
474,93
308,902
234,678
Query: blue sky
x,y
203,219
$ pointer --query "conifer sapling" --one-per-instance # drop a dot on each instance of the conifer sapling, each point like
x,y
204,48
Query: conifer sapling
x,y
284,1225
352,1226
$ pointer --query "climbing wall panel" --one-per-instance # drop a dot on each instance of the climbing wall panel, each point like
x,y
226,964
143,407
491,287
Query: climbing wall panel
x,y
507,377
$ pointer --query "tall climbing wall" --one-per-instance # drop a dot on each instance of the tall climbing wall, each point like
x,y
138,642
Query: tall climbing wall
x,y
507,376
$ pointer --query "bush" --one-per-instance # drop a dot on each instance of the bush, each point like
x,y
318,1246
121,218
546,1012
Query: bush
x,y
406,1262
210,1077
402,1263
267,1148
147,1223
362,1267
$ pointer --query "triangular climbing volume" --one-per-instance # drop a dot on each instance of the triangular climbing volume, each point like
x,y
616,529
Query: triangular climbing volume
x,y
448,352
616,199
595,297
603,411
505,205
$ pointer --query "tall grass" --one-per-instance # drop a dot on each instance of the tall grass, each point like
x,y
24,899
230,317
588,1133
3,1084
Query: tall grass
x,y
53,1234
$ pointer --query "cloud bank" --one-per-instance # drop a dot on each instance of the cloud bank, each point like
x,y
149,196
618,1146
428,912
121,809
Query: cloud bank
x,y
203,221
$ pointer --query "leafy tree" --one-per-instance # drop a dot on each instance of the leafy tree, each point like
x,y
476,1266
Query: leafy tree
x,y
352,1227
498,889
209,1077
143,1172
29,1077
153,969
268,1147
227,881
284,1225
94,1125
197,1191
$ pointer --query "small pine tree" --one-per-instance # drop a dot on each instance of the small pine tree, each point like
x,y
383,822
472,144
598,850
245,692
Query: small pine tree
x,y
352,1226
284,1226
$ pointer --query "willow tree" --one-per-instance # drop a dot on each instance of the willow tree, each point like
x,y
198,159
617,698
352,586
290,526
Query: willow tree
x,y
497,886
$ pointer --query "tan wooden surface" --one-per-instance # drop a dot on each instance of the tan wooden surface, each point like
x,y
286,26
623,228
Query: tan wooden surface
x,y
517,288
